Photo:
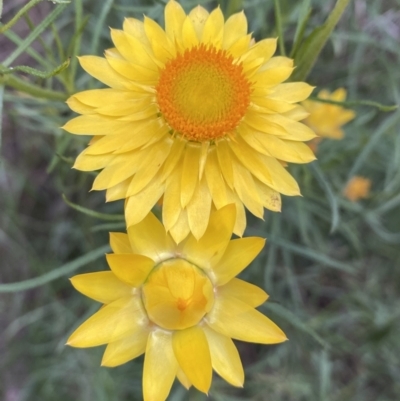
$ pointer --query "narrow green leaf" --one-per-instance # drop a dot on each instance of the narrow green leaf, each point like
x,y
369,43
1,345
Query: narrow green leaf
x,y
18,15
99,27
92,213
308,53
64,270
295,321
279,28
371,145
355,103
1,114
326,187
301,29
312,254
34,34
34,71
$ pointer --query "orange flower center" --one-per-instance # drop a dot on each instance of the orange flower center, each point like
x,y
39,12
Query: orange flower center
x,y
177,295
203,94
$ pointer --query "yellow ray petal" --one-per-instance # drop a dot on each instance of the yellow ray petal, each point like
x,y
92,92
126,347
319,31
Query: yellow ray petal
x,y
181,228
240,321
150,165
214,28
126,349
140,204
263,49
240,223
75,105
272,76
190,173
149,238
270,198
90,124
246,189
189,35
215,181
198,16
235,28
98,97
85,162
174,18
99,68
172,199
160,366
225,161
292,92
162,46
117,320
104,287
119,243
206,251
135,28
183,379
198,209
118,191
244,291
107,144
238,255
225,358
193,355
130,268
240,46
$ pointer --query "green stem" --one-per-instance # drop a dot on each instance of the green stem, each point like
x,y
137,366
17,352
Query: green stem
x,y
278,21
31,89
19,14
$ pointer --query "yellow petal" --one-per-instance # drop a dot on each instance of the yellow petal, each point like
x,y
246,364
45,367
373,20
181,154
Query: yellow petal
x,y
150,165
85,162
240,46
238,255
160,366
172,199
244,291
270,198
149,238
225,161
118,192
119,319
140,204
93,124
292,92
198,209
174,18
214,28
99,68
246,189
233,318
104,287
98,97
75,105
215,181
160,43
107,144
183,379
207,251
135,28
225,358
130,268
189,35
272,76
198,16
240,223
235,28
181,228
193,355
190,173
119,243
263,49
126,349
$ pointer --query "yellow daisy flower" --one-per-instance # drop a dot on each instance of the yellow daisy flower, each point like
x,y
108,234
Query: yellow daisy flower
x,y
327,119
196,113
178,304
357,188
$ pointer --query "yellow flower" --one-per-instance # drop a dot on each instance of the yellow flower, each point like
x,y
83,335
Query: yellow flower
x,y
357,188
197,114
178,304
327,119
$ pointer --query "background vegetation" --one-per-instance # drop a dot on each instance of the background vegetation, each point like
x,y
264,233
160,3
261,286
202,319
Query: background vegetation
x,y
331,267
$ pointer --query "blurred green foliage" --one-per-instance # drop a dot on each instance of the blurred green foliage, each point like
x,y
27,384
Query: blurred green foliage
x,y
331,267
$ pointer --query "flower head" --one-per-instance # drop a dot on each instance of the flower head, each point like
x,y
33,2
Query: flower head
x,y
357,188
197,113
327,119
178,304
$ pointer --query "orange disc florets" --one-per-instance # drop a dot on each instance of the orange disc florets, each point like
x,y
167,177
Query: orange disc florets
x,y
202,93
